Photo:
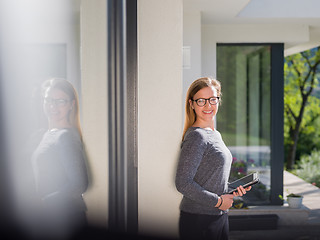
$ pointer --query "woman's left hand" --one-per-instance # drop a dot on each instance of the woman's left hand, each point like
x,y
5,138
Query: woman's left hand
x,y
241,191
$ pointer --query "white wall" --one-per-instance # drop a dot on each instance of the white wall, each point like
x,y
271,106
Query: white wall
x,y
192,38
246,33
94,106
159,111
208,56
314,41
159,114
252,33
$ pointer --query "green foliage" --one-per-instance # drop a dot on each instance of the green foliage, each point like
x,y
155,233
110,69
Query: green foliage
x,y
294,195
308,168
290,195
281,197
299,79
309,138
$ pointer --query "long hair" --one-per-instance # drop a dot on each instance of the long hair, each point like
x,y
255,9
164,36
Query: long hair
x,y
190,115
66,87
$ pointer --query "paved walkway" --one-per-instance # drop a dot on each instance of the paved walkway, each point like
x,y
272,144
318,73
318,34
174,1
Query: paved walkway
x,y
308,231
310,193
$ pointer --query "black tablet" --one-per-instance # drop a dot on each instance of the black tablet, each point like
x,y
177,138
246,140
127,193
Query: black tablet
x,y
245,181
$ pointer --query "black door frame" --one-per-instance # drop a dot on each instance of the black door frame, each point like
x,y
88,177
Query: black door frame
x,y
277,108
122,112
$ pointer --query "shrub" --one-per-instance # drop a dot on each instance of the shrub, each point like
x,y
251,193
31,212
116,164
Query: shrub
x,y
238,169
309,168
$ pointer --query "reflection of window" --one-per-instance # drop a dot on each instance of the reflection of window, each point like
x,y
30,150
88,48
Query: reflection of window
x,y
245,115
48,60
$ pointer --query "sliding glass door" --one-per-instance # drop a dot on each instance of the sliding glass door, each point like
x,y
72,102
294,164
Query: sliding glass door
x,y
245,115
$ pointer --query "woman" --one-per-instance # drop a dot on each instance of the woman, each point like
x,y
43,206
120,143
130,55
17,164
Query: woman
x,y
59,164
204,167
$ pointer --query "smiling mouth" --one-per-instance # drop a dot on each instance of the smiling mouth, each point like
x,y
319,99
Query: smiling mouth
x,y
208,112
53,113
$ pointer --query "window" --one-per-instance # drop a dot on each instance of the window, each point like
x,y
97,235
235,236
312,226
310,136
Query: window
x,y
246,116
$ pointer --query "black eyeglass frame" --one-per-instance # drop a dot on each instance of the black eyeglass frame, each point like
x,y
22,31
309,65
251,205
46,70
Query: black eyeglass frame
x,y
60,102
205,101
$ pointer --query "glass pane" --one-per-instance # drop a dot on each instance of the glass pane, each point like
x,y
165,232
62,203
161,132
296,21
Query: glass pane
x,y
39,40
244,116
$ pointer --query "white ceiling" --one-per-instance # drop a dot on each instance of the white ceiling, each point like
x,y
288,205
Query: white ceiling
x,y
256,11
291,12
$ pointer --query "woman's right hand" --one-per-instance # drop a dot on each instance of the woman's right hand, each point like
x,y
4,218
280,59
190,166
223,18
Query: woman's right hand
x,y
227,201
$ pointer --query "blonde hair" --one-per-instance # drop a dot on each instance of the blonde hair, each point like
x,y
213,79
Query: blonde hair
x,y
66,87
190,116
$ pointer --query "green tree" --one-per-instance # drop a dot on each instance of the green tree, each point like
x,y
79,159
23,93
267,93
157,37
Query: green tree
x,y
301,109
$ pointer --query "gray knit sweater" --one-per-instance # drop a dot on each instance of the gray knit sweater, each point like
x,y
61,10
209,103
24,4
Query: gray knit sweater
x,y
203,171
60,169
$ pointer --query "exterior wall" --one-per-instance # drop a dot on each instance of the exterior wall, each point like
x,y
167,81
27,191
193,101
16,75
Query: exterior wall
x,y
159,96
229,33
159,114
94,106
208,50
192,38
250,33
314,41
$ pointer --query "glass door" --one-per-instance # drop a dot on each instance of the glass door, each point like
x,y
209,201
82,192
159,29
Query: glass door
x,y
244,118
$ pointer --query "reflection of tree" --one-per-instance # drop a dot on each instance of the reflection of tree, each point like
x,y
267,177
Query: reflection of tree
x,y
244,117
301,108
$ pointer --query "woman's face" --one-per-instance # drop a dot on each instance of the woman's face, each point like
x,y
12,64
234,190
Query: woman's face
x,y
207,112
57,106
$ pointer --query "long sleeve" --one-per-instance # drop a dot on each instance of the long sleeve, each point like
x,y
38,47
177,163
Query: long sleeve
x,y
60,169
73,161
192,152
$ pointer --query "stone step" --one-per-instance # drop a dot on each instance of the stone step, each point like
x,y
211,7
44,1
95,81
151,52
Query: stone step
x,y
287,216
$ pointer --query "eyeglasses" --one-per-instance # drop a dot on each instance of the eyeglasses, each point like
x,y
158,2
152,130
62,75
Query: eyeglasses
x,y
57,102
202,101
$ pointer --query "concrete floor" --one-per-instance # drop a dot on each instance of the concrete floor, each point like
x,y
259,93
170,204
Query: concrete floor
x,y
310,193
290,228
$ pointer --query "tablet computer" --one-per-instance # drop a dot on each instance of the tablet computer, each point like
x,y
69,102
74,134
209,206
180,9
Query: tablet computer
x,y
245,181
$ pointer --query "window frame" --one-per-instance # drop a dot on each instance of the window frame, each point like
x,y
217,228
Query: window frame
x,y
277,121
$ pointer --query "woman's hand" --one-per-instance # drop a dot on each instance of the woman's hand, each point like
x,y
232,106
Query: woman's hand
x,y
227,201
241,191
